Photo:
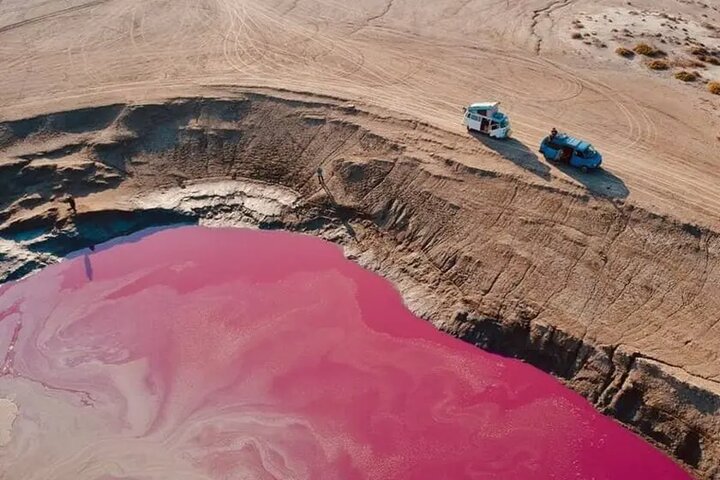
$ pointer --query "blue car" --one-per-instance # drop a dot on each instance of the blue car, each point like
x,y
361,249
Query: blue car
x,y
560,147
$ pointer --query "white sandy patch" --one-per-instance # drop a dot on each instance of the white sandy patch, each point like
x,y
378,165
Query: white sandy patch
x,y
8,413
223,202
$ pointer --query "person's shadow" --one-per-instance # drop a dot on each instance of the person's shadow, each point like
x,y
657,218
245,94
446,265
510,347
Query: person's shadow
x,y
88,267
517,152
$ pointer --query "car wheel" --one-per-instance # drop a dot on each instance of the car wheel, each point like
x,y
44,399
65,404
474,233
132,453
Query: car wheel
x,y
584,169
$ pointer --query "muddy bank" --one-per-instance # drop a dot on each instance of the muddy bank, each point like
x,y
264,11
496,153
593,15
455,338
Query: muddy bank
x,y
618,302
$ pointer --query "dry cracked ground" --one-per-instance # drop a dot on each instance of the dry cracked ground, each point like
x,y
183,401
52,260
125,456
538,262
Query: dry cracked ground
x,y
220,112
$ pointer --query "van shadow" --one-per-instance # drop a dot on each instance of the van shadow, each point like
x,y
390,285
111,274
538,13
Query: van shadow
x,y
517,152
600,182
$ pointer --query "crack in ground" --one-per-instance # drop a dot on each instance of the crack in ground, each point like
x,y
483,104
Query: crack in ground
x,y
546,11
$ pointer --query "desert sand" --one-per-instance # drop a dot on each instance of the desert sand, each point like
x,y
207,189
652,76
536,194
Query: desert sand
x,y
220,112
425,61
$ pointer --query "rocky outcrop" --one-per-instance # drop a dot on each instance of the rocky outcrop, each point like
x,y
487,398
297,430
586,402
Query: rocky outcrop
x,y
618,303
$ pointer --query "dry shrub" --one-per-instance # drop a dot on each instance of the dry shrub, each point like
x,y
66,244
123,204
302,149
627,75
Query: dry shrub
x,y
686,76
714,88
688,63
624,52
645,49
709,59
658,65
577,36
698,51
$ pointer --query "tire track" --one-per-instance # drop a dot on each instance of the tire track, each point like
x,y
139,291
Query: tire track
x,y
48,16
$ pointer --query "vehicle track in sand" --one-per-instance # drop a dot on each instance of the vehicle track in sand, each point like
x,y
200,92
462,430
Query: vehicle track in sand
x,y
51,15
397,61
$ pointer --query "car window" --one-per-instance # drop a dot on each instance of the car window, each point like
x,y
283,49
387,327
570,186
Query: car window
x,y
585,153
553,145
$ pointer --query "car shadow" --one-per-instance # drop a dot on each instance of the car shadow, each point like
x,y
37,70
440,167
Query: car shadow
x,y
517,152
600,182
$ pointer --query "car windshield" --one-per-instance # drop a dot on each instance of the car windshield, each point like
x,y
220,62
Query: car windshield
x,y
590,152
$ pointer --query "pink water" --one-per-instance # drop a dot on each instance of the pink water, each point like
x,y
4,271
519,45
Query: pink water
x,y
230,354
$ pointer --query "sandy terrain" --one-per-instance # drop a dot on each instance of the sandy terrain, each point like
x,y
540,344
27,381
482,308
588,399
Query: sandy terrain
x,y
608,280
8,412
658,137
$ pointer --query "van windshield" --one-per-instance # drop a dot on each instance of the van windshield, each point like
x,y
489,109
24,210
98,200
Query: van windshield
x,y
589,152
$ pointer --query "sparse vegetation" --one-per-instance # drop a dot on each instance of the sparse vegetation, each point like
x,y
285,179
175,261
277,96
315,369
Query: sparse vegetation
x,y
686,76
697,51
577,36
658,65
714,88
710,59
625,52
647,50
705,55
687,63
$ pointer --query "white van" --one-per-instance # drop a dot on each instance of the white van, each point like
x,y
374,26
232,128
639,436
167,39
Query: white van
x,y
485,117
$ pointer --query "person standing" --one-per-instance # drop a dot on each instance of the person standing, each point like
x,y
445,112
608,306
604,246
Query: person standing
x,y
71,203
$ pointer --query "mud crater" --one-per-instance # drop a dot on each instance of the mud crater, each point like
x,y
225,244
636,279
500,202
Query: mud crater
x,y
557,279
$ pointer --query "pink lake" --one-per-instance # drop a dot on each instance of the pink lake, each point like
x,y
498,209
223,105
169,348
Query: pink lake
x,y
197,353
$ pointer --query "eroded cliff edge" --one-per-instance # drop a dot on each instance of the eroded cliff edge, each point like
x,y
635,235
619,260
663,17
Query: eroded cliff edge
x,y
621,304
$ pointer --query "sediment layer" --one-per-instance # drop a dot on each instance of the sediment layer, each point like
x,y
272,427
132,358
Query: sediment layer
x,y
619,303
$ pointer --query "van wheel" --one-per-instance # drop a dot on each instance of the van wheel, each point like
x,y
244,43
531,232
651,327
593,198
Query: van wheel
x,y
584,169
